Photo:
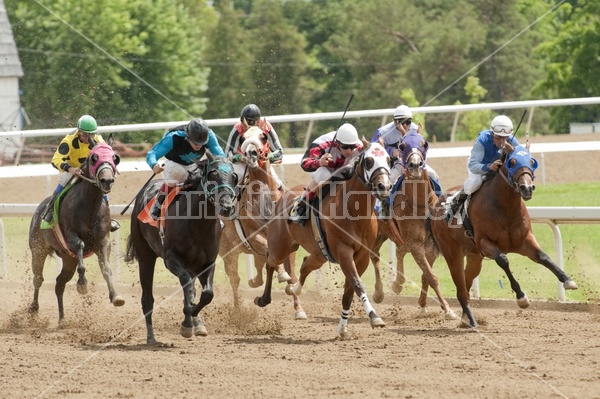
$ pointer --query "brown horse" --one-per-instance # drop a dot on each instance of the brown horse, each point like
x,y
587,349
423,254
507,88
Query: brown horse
x,y
247,232
411,204
500,224
189,244
82,229
348,226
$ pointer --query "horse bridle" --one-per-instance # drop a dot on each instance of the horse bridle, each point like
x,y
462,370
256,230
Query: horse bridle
x,y
210,192
512,180
94,180
368,184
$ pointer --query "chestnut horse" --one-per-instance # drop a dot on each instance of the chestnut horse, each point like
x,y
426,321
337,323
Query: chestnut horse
x,y
189,244
247,232
348,225
82,229
500,224
410,205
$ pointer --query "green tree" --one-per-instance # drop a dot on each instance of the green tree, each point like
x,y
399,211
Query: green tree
x,y
119,60
571,61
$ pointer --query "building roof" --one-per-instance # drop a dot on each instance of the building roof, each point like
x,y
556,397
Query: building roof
x,y
10,65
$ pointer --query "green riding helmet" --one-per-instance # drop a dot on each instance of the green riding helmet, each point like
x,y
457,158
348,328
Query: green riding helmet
x,y
87,124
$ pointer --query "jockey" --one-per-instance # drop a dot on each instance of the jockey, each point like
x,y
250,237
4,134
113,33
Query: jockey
x,y
391,136
325,155
249,117
71,153
181,146
485,157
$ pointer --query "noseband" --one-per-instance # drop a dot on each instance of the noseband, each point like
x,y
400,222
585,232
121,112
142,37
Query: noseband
x,y
208,187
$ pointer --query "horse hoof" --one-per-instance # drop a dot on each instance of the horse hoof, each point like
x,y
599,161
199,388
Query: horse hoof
x,y
570,285
283,277
300,315
288,289
186,332
118,301
450,315
423,310
82,289
378,297
397,288
200,330
33,308
344,333
465,322
297,289
377,322
258,301
252,283
523,302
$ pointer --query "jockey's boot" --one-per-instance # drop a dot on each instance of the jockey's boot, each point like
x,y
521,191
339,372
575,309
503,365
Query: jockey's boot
x,y
155,209
114,225
48,212
299,212
456,201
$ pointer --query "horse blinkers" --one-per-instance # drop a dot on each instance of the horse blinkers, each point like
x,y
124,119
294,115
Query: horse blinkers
x,y
523,177
104,177
379,180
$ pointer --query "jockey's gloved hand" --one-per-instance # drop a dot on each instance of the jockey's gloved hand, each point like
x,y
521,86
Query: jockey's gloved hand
x,y
271,157
237,158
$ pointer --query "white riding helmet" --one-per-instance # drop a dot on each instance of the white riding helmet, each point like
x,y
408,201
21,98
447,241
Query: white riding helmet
x,y
502,126
348,135
403,112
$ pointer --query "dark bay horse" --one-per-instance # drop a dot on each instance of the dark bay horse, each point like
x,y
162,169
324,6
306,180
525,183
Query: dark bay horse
x,y
349,227
410,207
189,244
247,232
83,228
500,224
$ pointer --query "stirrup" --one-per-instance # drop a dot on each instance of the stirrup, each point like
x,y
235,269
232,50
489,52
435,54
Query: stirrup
x,y
114,225
48,216
298,214
155,212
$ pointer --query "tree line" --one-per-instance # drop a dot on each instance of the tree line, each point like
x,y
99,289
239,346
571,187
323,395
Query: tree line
x,y
138,61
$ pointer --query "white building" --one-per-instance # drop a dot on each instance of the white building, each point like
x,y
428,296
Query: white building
x,y
10,72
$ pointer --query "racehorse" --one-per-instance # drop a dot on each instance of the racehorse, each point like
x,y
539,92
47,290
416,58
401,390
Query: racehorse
x,y
347,227
500,224
189,243
410,201
247,232
81,228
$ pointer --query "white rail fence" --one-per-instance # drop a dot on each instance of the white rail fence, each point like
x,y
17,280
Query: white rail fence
x,y
553,216
550,215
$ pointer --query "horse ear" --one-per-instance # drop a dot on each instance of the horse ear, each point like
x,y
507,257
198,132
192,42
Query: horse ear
x,y
92,141
509,147
209,155
420,128
366,144
116,159
110,140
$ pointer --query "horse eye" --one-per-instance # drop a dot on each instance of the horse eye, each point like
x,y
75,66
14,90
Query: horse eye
x,y
512,163
94,158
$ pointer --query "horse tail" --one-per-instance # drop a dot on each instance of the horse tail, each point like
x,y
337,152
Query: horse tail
x,y
130,254
429,239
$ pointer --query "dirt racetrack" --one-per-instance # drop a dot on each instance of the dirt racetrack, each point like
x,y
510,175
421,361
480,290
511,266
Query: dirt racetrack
x,y
550,350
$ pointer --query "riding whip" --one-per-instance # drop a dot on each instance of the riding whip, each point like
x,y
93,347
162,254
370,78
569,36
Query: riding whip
x,y
342,120
519,125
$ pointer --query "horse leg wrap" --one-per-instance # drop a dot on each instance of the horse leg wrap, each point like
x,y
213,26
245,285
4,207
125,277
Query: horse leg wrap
x,y
343,324
366,303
